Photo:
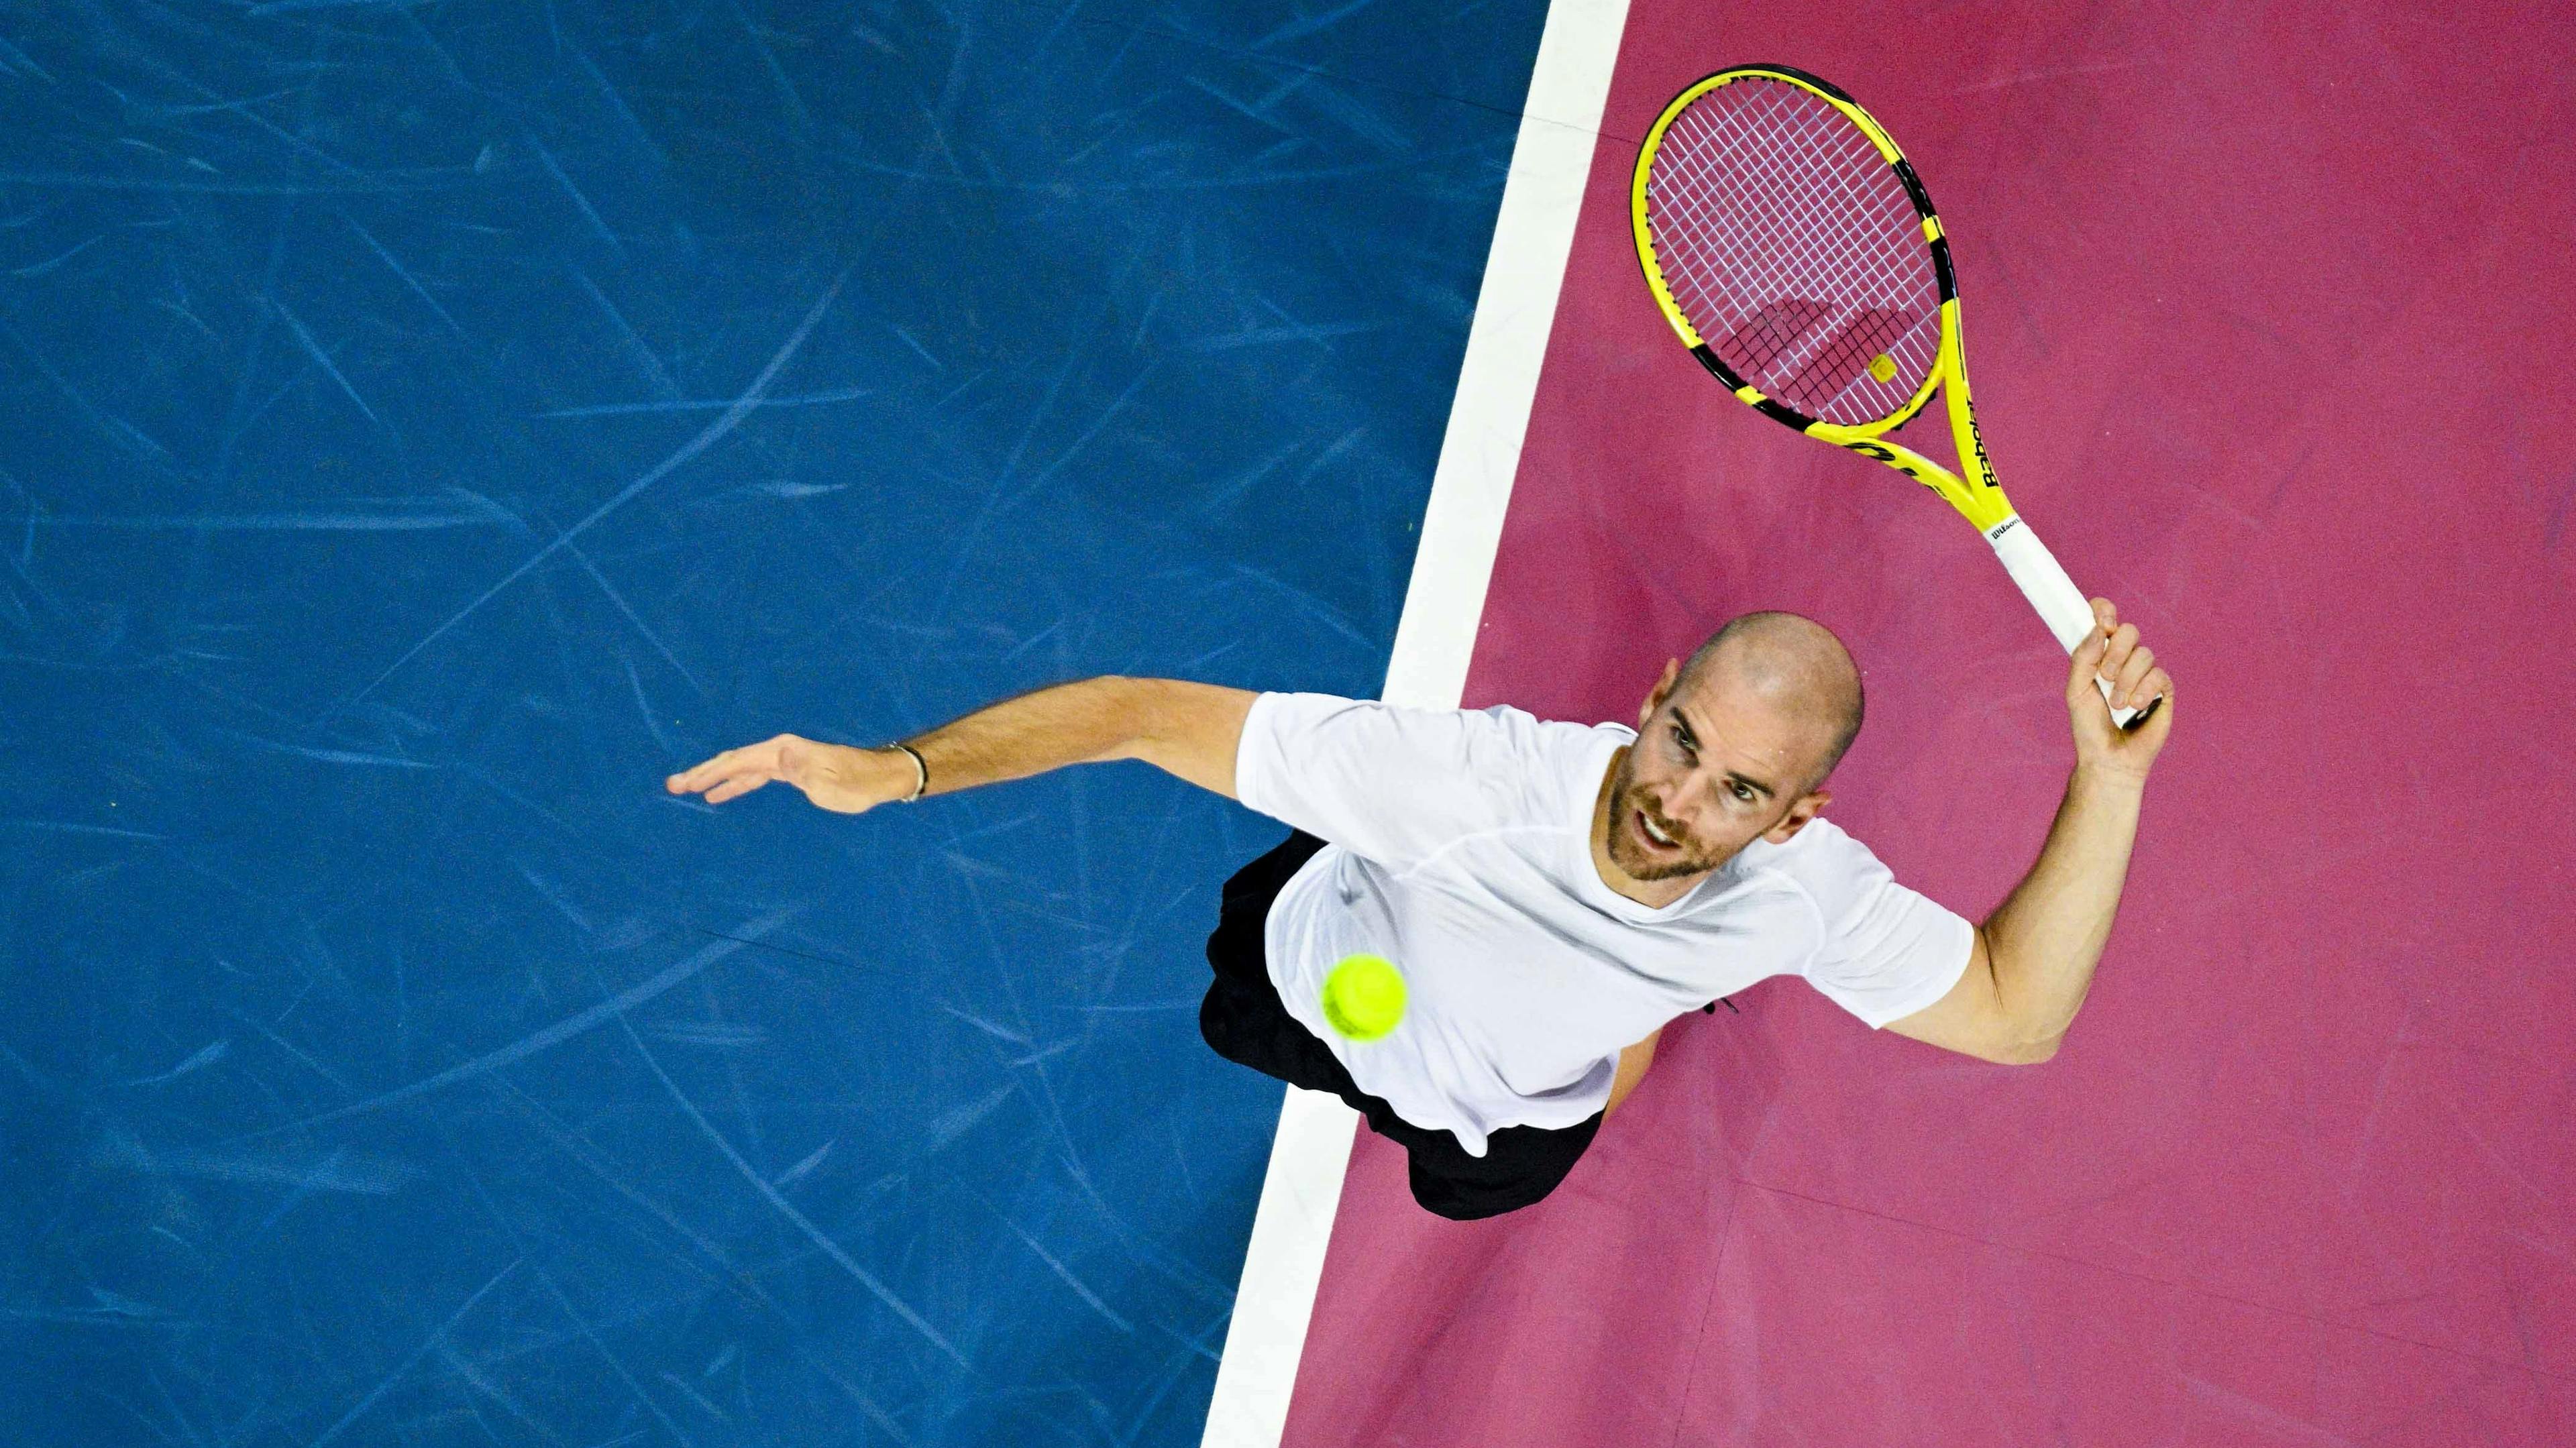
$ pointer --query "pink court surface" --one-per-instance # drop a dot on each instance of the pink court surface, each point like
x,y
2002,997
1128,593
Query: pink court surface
x,y
2269,310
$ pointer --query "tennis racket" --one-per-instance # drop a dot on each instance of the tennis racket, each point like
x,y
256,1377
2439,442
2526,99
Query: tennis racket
x,y
1796,252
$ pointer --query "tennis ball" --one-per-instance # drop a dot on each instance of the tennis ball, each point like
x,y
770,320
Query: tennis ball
x,y
1364,997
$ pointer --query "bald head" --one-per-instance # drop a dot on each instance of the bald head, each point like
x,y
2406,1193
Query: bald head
x,y
1792,664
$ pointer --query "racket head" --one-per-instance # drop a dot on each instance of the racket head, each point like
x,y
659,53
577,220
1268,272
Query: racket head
x,y
1795,251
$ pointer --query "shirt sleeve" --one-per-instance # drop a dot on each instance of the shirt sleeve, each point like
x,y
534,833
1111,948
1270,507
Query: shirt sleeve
x,y
1888,951
1391,784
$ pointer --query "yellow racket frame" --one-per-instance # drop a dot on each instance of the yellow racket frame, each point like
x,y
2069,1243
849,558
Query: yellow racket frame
x,y
1972,490
1976,495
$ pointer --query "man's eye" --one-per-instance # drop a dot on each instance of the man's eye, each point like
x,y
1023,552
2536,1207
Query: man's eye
x,y
1743,793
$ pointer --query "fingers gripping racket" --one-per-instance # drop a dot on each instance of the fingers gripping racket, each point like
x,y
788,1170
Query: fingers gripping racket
x,y
1796,252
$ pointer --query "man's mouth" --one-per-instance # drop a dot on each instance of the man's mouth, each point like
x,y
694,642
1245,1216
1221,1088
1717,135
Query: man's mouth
x,y
1659,843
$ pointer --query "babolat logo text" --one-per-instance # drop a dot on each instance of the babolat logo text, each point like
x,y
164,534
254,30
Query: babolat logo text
x,y
1985,464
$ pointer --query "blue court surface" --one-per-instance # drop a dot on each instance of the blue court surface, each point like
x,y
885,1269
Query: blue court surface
x,y
428,426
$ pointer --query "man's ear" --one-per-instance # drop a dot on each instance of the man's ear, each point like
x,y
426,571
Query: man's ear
x,y
1802,809
1663,690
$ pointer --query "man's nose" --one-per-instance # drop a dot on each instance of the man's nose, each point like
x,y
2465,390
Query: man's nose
x,y
1687,803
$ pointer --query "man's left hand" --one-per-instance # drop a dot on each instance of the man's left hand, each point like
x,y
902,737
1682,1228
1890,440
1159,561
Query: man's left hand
x,y
2112,653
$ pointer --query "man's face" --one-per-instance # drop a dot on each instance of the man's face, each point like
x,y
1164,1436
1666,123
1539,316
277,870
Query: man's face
x,y
1711,771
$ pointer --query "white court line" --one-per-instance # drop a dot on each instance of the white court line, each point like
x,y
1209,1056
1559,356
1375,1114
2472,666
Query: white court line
x,y
1434,641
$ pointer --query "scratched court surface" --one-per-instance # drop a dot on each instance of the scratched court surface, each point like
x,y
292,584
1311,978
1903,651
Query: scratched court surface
x,y
429,425
2260,308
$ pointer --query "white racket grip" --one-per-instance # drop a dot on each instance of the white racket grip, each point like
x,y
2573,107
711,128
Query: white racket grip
x,y
2062,605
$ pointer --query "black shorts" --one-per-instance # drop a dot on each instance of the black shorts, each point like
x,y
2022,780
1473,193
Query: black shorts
x,y
1244,1021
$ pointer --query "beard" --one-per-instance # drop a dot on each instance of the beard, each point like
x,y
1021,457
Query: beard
x,y
1632,858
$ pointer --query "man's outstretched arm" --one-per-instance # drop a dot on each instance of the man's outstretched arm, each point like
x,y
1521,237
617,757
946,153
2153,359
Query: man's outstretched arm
x,y
1187,729
2032,961
2048,934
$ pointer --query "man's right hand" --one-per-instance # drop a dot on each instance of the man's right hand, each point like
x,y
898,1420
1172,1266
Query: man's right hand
x,y
834,776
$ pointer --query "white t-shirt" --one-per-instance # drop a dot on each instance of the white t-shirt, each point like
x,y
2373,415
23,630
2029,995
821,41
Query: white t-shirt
x,y
1459,846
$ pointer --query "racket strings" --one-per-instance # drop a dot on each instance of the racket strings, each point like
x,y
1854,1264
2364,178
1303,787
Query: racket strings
x,y
1804,334
1815,188
1795,251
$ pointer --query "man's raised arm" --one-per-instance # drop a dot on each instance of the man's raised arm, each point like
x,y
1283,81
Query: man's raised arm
x,y
1190,730
2048,934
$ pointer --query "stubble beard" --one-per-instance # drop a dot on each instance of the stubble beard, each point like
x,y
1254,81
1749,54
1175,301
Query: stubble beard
x,y
1624,851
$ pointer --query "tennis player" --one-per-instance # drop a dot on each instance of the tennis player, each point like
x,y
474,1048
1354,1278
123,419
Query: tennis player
x,y
1554,893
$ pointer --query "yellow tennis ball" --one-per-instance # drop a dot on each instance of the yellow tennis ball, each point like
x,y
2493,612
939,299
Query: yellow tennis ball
x,y
1364,997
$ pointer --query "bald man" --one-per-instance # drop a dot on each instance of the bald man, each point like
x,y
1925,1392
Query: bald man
x,y
1555,893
